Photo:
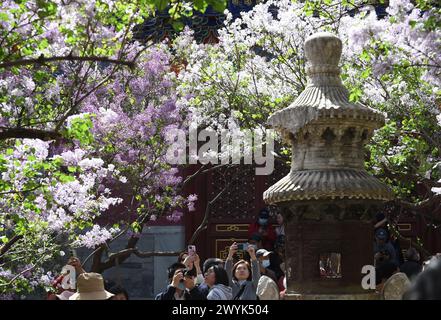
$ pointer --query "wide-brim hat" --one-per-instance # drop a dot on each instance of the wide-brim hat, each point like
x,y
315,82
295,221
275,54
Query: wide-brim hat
x,y
90,286
96,295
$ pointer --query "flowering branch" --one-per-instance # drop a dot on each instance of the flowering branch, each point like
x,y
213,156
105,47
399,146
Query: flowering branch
x,y
22,273
20,191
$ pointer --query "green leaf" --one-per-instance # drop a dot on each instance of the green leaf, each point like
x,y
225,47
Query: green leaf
x,y
365,56
72,169
66,178
366,73
4,16
80,129
200,5
161,5
218,5
136,226
355,95
43,44
178,25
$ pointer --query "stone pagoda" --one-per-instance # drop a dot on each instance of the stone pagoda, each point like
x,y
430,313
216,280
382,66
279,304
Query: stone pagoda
x,y
328,199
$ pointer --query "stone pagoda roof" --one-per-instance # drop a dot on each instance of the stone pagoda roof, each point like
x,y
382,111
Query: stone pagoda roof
x,y
324,95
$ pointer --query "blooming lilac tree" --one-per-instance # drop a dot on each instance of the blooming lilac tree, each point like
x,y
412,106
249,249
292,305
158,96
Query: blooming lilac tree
x,y
47,203
131,132
81,102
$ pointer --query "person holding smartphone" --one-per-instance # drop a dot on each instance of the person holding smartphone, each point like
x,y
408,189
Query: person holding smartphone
x,y
182,286
59,292
243,276
191,261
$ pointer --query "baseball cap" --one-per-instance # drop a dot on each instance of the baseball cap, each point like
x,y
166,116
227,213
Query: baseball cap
x,y
262,252
381,234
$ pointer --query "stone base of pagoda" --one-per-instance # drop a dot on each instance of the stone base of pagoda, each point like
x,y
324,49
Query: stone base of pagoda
x,y
356,296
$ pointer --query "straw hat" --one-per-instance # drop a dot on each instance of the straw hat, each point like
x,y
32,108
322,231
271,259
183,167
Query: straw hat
x,y
90,286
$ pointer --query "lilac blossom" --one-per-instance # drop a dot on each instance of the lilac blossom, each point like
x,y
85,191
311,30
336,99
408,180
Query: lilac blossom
x,y
95,237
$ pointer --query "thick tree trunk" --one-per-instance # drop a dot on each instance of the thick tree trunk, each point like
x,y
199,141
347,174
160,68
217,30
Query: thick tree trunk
x,y
17,133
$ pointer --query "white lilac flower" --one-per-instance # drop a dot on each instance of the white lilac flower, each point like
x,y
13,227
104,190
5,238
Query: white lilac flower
x,y
123,179
89,163
73,157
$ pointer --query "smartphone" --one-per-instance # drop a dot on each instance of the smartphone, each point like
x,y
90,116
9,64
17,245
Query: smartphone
x,y
242,246
191,250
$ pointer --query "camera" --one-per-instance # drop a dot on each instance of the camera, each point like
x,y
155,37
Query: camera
x,y
188,273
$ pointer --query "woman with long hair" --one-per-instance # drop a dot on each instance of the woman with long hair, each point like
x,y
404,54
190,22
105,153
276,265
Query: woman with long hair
x,y
217,279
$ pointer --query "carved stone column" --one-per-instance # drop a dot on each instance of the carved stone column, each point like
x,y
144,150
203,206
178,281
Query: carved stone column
x,y
328,199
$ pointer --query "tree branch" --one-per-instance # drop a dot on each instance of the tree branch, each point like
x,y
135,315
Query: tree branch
x,y
8,245
22,272
419,205
413,243
142,254
42,60
204,222
121,256
29,133
191,177
20,191
96,261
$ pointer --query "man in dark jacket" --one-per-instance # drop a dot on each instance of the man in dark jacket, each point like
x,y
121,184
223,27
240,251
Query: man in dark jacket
x,y
182,284
412,267
381,246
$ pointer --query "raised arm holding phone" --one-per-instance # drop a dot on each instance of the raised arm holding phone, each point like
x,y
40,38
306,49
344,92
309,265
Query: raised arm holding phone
x,y
243,277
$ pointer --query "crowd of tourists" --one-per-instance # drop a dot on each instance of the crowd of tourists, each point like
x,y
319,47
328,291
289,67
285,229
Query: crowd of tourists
x,y
401,274
255,270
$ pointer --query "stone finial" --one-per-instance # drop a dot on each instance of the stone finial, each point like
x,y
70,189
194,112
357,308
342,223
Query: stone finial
x,y
323,52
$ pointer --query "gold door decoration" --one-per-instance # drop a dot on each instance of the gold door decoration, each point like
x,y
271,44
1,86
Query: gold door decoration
x,y
404,227
232,227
